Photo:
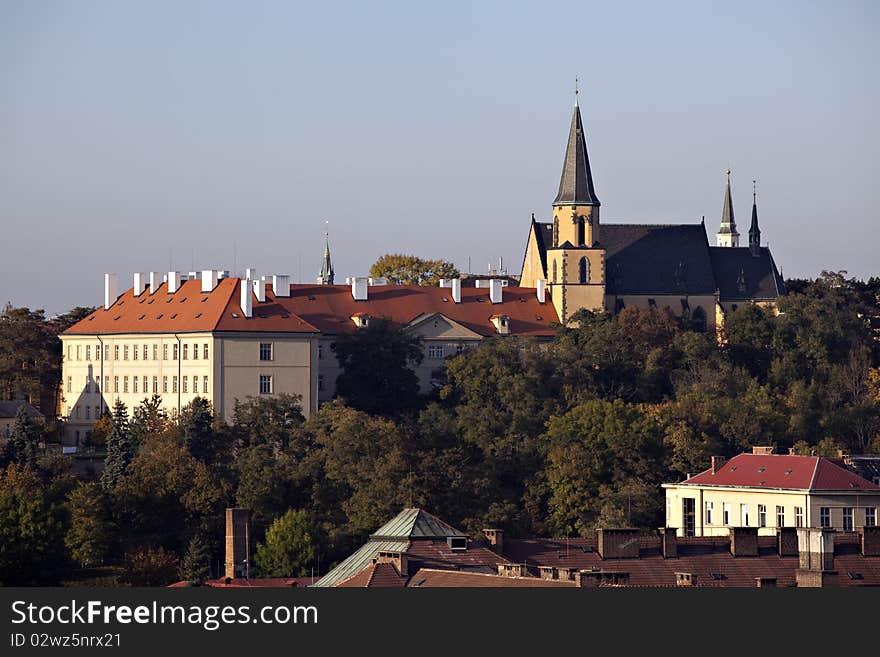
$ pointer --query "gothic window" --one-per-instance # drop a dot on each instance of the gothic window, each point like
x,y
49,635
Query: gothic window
x,y
584,270
581,232
554,271
555,232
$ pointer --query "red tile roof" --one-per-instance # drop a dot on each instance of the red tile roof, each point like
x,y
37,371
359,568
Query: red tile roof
x,y
255,582
376,575
313,308
783,471
431,578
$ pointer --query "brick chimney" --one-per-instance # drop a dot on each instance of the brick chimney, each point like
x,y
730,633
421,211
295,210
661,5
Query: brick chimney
x,y
763,450
870,540
668,542
816,555
512,570
495,538
397,559
237,543
619,543
787,542
744,541
717,463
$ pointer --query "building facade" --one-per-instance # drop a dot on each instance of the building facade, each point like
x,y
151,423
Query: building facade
x,y
769,492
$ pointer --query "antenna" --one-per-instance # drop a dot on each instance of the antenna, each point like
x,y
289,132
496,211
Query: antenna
x,y
575,92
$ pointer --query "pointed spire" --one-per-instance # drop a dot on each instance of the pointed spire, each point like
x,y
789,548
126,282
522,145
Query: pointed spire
x,y
727,234
576,183
754,231
326,275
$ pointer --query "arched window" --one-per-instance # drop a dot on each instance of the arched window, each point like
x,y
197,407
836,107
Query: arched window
x,y
581,232
554,271
555,231
584,270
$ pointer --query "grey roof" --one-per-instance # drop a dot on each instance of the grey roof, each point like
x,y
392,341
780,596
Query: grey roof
x,y
576,183
656,259
8,409
393,536
740,275
728,222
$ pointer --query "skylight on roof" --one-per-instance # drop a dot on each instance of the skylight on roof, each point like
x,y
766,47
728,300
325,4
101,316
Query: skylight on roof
x,y
198,315
204,299
761,469
142,316
173,315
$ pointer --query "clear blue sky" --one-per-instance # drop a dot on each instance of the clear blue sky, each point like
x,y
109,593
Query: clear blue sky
x,y
131,128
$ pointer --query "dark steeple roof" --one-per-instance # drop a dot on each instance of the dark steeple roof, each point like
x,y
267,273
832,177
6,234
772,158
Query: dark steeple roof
x,y
576,184
728,223
754,231
326,275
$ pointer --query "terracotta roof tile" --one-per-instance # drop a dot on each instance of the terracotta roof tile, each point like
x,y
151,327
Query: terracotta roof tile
x,y
432,578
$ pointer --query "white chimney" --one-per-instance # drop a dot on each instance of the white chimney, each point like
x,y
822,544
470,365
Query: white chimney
x,y
173,281
247,300
378,281
260,290
209,280
541,289
222,273
445,282
111,289
140,283
495,288
193,275
281,285
251,273
154,282
348,280
456,289
359,288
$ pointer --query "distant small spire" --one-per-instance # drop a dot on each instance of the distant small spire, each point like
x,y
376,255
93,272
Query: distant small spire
x,y
575,92
326,275
727,234
754,230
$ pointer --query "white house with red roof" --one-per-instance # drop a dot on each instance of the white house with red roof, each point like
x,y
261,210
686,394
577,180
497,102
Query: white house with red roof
x,y
769,491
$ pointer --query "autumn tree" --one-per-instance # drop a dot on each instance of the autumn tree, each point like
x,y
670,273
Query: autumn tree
x,y
402,269
292,547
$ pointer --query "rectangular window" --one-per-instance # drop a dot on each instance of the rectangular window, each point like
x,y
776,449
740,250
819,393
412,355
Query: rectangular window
x,y
871,516
106,352
848,519
798,516
88,352
435,351
115,384
76,410
125,352
164,352
689,516
176,352
77,352
70,384
156,385
185,351
459,349
134,352
155,352
125,384
174,384
320,351
116,352
97,352
146,389
709,506
205,351
265,384
164,384
195,352
265,351
762,515
106,383
780,516
185,384
69,352
743,515
824,517
134,384
146,351
88,412
205,385
726,511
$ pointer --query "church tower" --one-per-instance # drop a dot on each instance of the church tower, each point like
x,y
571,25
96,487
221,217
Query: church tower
x,y
727,235
754,231
575,257
326,275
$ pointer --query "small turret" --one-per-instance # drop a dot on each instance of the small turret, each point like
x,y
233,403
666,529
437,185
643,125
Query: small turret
x,y
727,234
754,231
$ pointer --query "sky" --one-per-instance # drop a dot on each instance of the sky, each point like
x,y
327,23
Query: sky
x,y
138,136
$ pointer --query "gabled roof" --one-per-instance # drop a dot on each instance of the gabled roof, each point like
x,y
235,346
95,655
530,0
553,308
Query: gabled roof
x,y
783,471
376,575
9,409
576,183
740,275
415,524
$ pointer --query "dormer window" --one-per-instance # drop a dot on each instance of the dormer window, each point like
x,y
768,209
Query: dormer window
x,y
501,323
361,320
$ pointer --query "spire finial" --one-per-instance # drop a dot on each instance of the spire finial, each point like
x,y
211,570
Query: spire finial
x,y
575,92
754,191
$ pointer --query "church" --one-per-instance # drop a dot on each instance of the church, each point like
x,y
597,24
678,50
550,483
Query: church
x,y
587,264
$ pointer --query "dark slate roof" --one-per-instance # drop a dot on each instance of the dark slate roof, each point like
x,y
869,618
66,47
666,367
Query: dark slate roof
x,y
758,274
728,223
657,259
8,409
576,183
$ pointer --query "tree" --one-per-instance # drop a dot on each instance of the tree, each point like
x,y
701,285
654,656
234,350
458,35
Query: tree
x,y
148,418
149,567
90,535
292,547
376,365
196,420
120,449
196,564
30,357
402,269
32,529
23,444
268,420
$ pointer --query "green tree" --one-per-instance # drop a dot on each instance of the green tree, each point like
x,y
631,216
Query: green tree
x,y
148,418
402,269
268,420
292,547
376,366
91,533
30,357
23,444
196,421
120,448
195,567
